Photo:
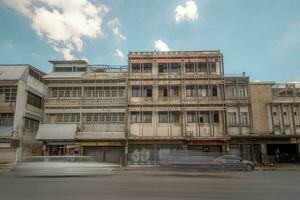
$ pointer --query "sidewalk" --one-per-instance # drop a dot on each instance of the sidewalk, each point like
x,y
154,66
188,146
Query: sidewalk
x,y
4,167
280,166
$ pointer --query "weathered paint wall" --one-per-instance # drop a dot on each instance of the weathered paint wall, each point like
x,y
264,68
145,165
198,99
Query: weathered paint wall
x,y
261,95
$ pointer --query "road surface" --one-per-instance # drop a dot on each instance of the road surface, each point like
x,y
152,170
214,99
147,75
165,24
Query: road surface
x,y
133,185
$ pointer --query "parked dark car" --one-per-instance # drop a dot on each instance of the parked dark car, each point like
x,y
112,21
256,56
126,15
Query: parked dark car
x,y
232,162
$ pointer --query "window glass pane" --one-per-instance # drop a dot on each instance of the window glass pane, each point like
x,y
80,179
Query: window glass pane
x,y
189,67
163,117
147,68
135,68
147,117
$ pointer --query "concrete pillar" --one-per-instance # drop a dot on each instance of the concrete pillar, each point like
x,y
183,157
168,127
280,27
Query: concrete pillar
x,y
264,154
298,153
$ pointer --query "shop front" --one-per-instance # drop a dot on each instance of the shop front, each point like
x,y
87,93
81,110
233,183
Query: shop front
x,y
267,149
104,151
151,152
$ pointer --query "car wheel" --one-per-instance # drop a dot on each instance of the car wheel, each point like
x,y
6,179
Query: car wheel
x,y
249,168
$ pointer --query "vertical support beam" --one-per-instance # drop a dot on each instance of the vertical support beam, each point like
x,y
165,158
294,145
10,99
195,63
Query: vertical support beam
x,y
264,154
293,118
282,119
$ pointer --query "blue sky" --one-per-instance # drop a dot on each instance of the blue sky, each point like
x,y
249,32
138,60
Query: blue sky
x,y
261,38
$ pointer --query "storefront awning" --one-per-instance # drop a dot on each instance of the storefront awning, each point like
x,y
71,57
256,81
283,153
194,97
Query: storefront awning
x,y
56,132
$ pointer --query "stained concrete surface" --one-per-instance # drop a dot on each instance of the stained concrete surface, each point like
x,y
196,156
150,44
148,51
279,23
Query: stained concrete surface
x,y
148,184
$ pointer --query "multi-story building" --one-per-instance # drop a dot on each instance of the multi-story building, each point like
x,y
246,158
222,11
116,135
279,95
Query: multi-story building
x,y
175,101
239,114
274,134
85,110
284,123
21,96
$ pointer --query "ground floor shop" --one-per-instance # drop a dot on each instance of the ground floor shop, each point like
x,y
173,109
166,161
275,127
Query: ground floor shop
x,y
104,151
267,149
152,152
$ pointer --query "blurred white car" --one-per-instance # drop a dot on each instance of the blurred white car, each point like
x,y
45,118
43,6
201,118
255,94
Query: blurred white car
x,y
62,166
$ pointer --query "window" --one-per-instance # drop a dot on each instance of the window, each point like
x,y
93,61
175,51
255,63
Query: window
x,y
230,92
147,91
6,119
175,67
35,74
214,91
174,117
136,92
189,67
202,67
242,91
244,118
190,91
114,117
121,117
114,93
147,68
89,117
59,118
120,93
203,117
61,93
169,117
135,68
54,93
213,67
191,117
163,117
107,92
107,117
147,117
31,124
216,117
231,118
34,100
202,90
274,113
135,117
163,91
162,67
9,93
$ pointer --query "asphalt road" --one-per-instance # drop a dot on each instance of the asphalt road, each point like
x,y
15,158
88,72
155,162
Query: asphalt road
x,y
155,185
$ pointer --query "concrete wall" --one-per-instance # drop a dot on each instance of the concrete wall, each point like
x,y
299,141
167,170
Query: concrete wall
x,y
261,95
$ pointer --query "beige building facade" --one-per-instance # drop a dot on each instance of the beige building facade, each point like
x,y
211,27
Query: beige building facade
x,y
85,111
21,110
175,101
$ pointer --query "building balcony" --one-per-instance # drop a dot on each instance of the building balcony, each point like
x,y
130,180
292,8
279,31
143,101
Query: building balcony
x,y
109,102
7,107
62,102
109,127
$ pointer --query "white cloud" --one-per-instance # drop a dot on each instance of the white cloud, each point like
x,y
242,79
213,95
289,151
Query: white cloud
x,y
119,54
161,46
115,24
63,23
291,39
186,11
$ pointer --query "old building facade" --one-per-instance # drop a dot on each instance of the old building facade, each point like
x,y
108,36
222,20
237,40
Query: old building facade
x,y
21,110
85,111
175,101
135,114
